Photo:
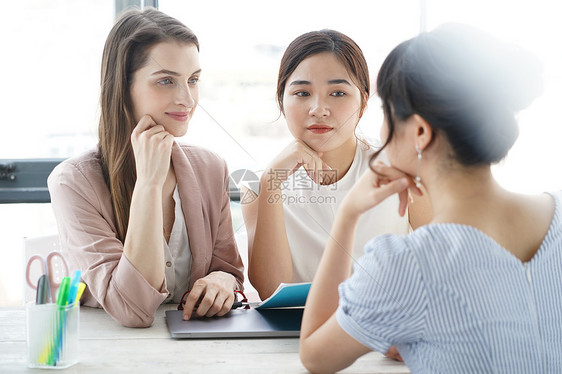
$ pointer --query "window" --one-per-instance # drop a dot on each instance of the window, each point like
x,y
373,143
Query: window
x,y
241,48
52,60
51,68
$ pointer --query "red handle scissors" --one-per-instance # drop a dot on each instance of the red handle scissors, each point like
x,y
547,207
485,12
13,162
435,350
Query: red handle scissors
x,y
54,266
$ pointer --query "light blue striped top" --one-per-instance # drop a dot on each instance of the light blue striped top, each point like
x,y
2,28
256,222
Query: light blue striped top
x,y
454,301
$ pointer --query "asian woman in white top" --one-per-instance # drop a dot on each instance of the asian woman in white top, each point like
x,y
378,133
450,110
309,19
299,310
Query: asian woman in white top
x,y
322,90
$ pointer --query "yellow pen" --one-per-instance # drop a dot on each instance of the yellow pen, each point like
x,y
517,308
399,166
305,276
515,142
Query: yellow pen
x,y
81,288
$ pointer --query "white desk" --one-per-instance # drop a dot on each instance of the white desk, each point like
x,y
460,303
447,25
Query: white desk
x,y
107,347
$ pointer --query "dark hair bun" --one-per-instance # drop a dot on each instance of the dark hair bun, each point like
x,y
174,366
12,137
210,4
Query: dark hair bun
x,y
522,77
469,86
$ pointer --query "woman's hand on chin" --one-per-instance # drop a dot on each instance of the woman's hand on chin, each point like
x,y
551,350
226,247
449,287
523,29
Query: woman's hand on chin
x,y
375,186
295,155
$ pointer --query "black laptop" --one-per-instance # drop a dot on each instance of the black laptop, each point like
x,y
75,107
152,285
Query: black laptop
x,y
238,323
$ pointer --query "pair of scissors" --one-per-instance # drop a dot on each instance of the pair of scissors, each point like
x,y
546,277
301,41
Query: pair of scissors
x,y
54,267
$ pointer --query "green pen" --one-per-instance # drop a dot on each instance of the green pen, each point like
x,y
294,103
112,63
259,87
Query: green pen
x,y
62,296
62,299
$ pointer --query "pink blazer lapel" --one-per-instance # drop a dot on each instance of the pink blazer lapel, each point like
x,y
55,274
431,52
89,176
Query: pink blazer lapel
x,y
195,214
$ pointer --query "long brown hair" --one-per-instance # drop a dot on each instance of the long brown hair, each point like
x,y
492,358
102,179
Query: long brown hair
x,y
126,50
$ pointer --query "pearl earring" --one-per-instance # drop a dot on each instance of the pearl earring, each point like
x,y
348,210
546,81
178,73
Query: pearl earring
x,y
418,177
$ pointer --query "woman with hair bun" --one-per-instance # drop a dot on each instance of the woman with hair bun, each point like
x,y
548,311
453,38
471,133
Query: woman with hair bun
x,y
478,289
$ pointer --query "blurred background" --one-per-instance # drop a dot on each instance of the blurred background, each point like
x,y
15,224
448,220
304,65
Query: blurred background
x,y
50,69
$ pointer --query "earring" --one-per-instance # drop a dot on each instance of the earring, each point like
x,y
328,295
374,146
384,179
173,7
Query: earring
x,y
418,177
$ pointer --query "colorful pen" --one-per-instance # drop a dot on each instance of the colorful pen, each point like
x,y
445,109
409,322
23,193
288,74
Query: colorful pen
x,y
62,296
72,292
81,288
62,300
43,293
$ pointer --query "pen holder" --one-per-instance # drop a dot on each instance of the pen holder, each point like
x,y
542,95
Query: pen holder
x,y
52,335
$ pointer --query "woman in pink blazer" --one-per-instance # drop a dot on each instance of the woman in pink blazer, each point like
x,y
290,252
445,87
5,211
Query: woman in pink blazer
x,y
143,217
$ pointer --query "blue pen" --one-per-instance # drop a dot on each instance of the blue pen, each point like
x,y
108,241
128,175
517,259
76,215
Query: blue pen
x,y
74,287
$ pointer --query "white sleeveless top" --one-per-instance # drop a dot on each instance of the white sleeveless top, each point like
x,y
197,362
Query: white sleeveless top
x,y
310,210
177,254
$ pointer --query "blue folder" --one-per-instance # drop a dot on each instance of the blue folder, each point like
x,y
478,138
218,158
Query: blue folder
x,y
287,295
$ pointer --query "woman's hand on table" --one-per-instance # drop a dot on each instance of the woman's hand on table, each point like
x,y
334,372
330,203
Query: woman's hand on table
x,y
212,295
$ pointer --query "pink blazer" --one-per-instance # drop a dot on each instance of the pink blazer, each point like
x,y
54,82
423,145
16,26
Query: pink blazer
x,y
81,202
